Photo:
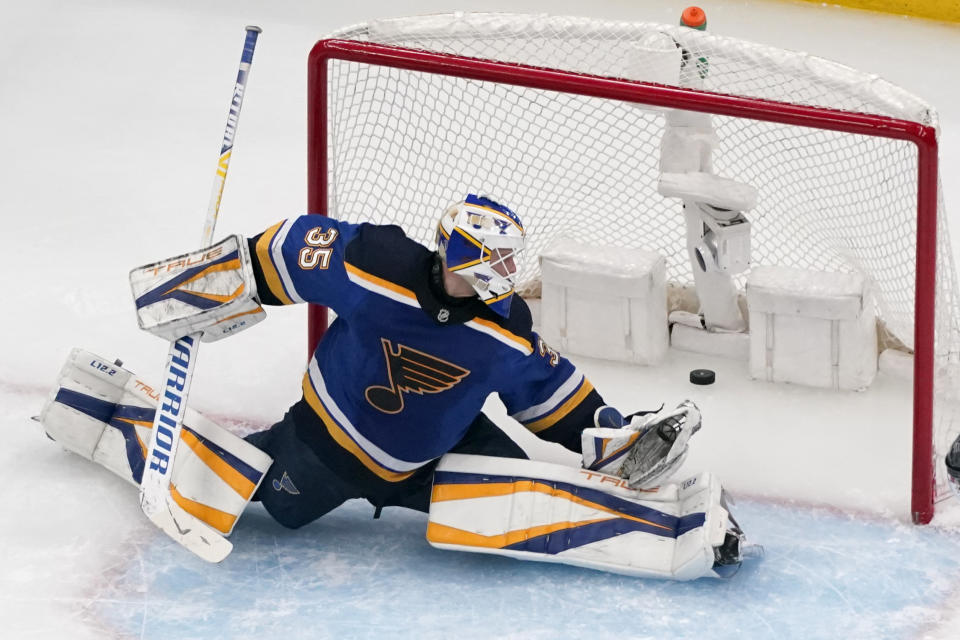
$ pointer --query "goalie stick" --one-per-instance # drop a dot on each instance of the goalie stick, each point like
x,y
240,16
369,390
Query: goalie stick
x,y
158,497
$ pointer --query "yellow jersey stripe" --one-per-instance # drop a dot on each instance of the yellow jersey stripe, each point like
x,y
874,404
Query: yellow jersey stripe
x,y
344,440
443,492
270,273
558,414
219,520
379,282
525,345
237,481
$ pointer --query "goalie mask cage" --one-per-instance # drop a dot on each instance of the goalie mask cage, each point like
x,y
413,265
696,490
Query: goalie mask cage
x,y
561,119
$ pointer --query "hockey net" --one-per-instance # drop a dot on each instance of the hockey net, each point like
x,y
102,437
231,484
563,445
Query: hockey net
x,y
407,115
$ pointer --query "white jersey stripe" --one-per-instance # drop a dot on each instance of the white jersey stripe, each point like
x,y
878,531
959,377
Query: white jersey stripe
x,y
381,457
568,387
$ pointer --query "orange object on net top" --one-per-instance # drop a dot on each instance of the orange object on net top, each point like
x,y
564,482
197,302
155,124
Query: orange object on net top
x,y
694,17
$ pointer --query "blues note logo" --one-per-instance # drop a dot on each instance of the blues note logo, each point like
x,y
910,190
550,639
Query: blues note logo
x,y
411,371
285,484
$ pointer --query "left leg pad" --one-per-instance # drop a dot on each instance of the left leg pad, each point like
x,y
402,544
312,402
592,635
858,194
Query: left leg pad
x,y
551,513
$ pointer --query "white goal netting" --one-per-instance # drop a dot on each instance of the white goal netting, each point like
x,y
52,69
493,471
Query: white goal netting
x,y
404,144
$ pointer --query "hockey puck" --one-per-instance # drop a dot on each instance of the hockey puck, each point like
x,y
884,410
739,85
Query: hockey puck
x,y
703,376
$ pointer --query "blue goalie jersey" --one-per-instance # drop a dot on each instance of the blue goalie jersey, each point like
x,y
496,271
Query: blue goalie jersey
x,y
405,369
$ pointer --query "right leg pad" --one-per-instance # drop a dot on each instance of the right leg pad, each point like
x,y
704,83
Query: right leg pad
x,y
104,413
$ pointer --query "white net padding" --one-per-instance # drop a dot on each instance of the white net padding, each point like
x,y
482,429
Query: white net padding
x,y
404,144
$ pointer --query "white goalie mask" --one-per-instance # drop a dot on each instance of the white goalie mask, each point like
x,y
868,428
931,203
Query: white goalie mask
x,y
481,240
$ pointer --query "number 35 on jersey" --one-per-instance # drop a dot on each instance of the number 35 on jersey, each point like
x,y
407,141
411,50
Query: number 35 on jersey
x,y
317,253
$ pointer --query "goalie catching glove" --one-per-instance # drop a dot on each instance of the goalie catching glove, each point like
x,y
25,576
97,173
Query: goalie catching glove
x,y
212,290
645,448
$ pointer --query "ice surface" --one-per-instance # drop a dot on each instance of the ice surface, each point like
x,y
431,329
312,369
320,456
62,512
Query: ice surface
x,y
349,576
110,119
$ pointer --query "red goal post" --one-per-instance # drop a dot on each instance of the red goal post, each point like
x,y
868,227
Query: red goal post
x,y
323,147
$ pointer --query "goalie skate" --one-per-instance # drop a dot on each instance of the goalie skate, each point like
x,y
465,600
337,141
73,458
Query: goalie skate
x,y
952,462
730,554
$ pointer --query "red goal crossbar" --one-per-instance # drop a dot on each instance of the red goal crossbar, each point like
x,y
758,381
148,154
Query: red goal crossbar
x,y
923,136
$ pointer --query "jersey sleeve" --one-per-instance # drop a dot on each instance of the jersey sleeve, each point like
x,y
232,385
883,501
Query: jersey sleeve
x,y
302,260
551,397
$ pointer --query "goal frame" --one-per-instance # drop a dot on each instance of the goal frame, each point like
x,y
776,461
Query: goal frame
x,y
923,136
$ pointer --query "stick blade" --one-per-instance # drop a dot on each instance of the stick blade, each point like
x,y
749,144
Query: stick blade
x,y
188,531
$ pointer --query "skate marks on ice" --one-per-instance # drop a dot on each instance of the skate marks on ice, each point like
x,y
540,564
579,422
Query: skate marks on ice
x,y
825,575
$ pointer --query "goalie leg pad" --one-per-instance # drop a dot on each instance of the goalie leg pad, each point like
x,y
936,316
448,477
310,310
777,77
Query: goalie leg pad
x,y
104,413
551,513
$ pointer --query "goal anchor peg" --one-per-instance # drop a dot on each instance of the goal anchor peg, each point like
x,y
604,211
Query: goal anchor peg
x,y
695,18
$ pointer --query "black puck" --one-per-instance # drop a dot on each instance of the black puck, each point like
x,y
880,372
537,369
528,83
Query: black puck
x,y
703,376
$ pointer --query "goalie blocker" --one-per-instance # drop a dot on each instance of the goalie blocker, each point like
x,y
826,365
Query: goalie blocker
x,y
212,290
104,413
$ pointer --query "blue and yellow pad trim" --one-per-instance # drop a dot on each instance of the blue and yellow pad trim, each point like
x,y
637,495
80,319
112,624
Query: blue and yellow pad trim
x,y
241,477
547,512
616,516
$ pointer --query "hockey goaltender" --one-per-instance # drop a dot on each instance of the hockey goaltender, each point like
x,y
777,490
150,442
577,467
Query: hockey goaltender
x,y
392,398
